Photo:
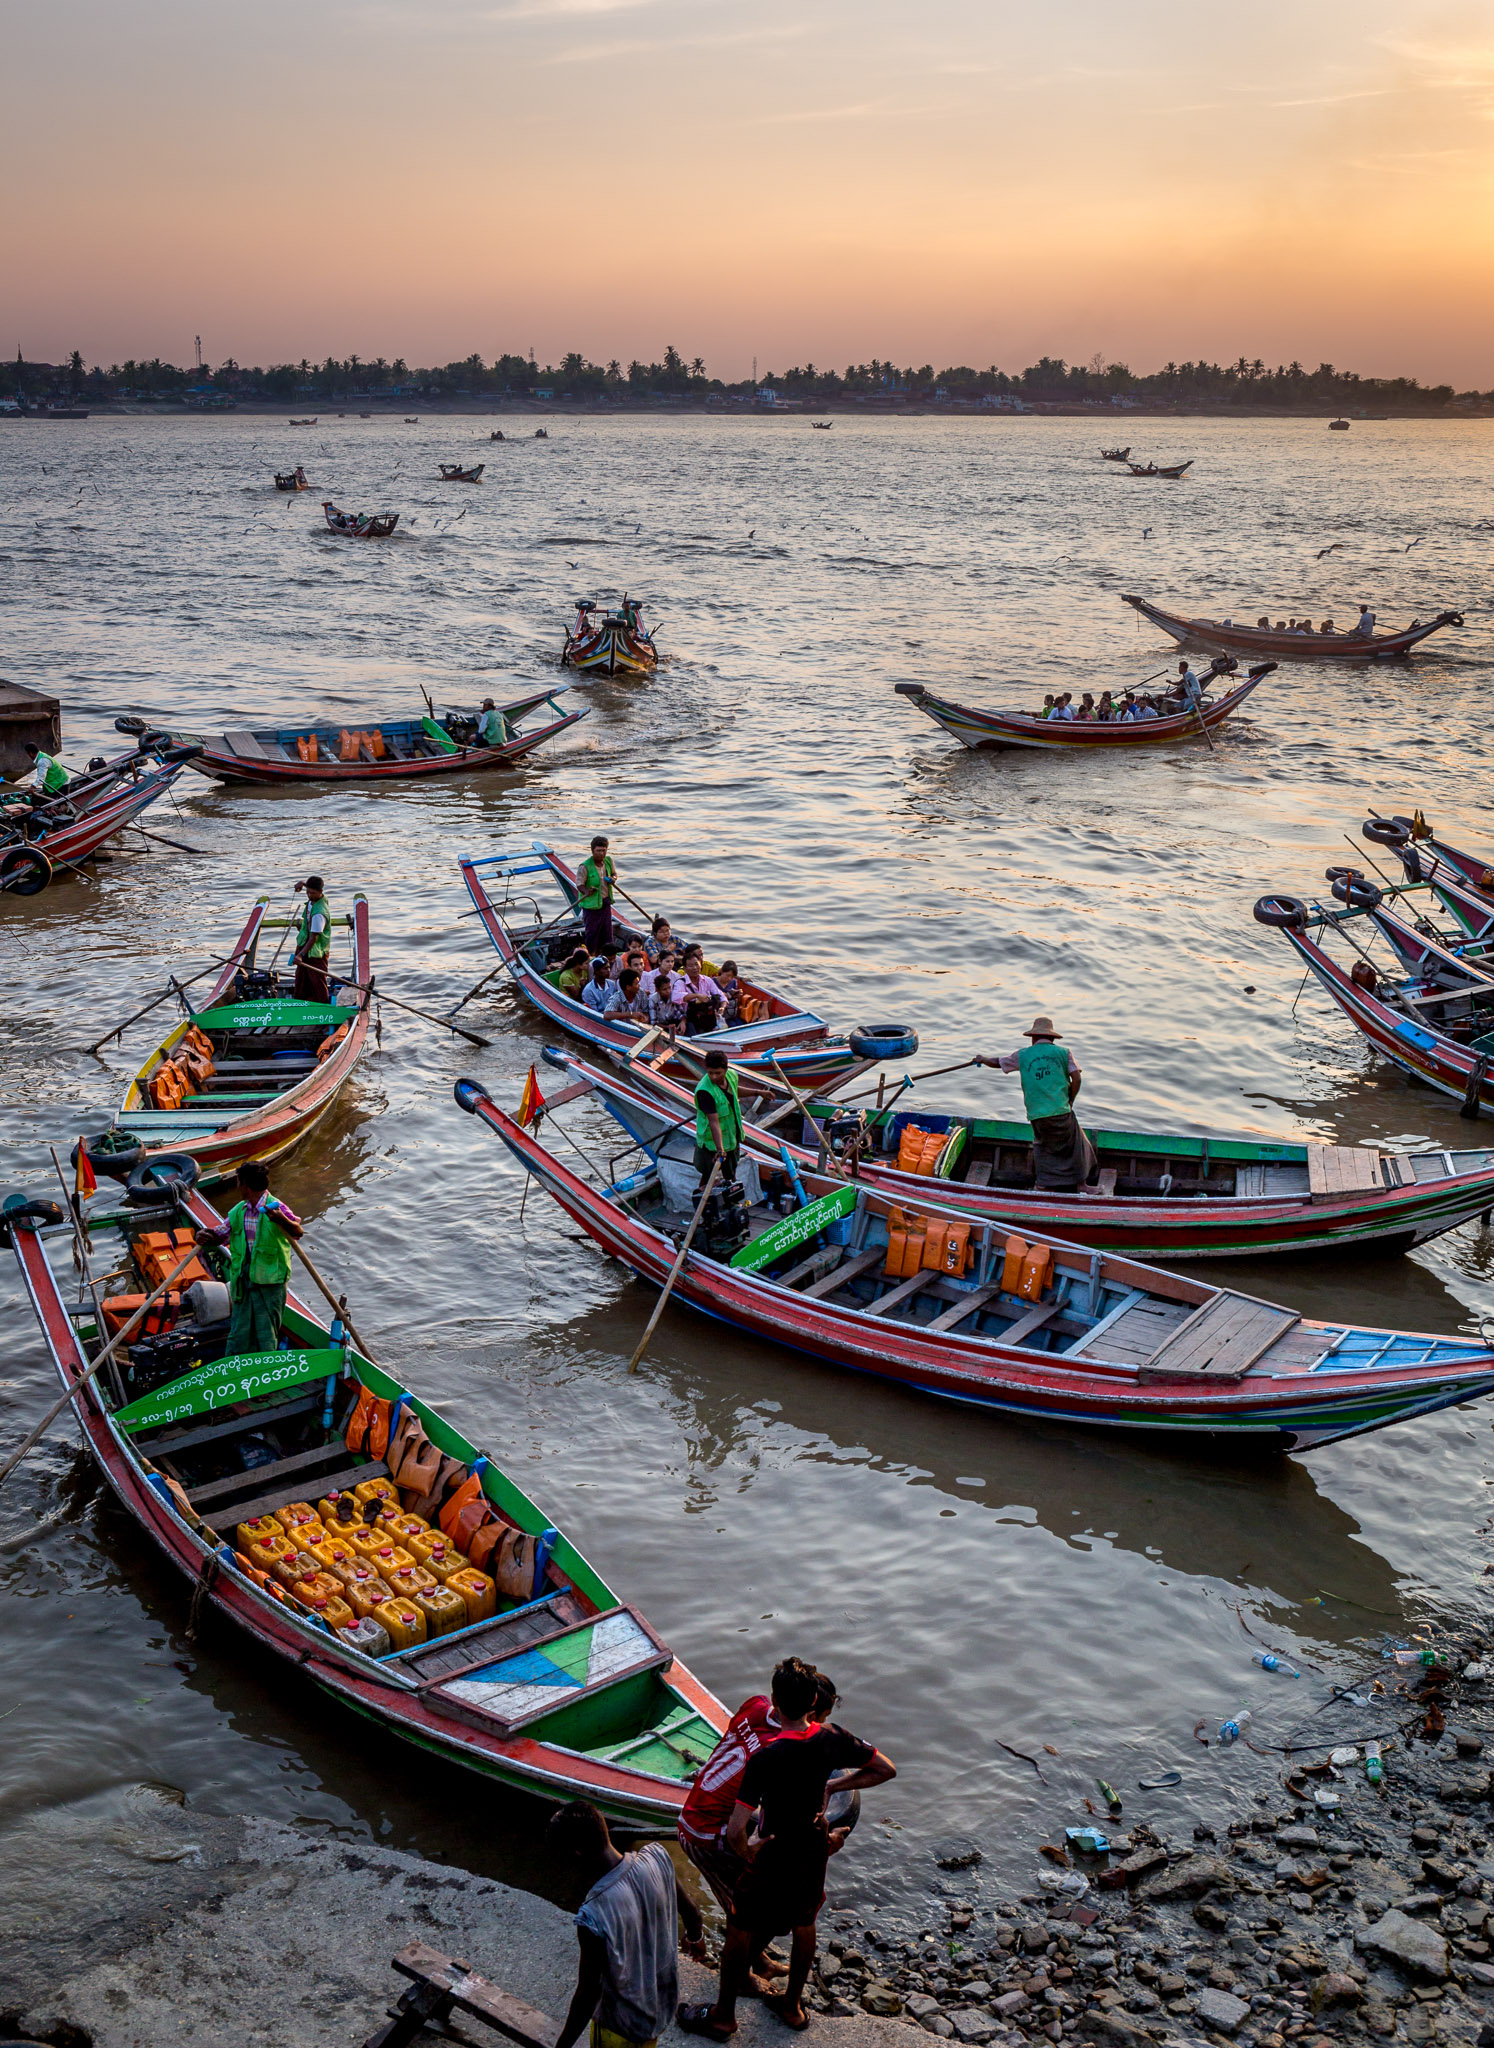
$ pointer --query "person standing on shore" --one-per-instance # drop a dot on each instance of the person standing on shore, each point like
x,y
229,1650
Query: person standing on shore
x,y
627,1979
594,895
784,1787
313,944
1063,1158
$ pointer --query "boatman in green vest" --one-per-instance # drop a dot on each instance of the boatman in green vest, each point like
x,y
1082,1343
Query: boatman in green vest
x,y
258,1230
313,944
491,730
594,894
1063,1158
51,777
718,1118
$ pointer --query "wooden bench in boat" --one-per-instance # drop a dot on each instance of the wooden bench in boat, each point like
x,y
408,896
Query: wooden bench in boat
x,y
1221,1340
258,1415
441,1986
521,1666
246,744
219,1501
1342,1170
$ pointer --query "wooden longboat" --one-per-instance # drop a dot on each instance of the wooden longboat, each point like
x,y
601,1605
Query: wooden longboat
x,y
292,479
977,728
359,525
530,941
568,1695
1159,1195
1115,454
277,1065
454,473
73,826
1172,471
1435,1021
1238,639
1106,1343
407,749
610,643
1427,856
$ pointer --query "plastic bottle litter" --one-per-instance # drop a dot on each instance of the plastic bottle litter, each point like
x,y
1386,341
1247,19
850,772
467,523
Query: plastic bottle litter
x,y
1374,1770
1109,1794
1426,1657
1269,1661
1231,1731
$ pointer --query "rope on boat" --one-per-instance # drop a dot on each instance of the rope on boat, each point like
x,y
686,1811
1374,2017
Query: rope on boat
x,y
207,1578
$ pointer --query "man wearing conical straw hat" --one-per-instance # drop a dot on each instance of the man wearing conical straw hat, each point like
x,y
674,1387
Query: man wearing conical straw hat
x,y
1063,1158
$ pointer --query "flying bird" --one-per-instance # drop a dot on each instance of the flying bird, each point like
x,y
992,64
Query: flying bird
x,y
1413,544
752,535
1329,549
1146,533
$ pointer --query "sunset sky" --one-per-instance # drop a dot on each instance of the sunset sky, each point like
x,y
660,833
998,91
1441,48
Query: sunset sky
x,y
959,181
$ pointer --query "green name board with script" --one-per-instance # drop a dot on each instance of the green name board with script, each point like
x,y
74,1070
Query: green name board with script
x,y
794,1230
228,1380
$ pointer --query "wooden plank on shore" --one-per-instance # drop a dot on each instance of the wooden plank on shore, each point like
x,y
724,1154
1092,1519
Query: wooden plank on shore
x,y
472,1994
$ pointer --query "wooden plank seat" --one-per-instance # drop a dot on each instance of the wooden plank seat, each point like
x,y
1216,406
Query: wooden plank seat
x,y
1342,1170
1037,1318
967,1305
979,1175
849,1269
904,1291
309,1480
1221,1340
470,1649
256,1415
247,744
518,1687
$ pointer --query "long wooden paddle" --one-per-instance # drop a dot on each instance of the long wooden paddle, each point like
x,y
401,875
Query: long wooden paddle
x,y
932,1075
337,1302
674,1271
71,1393
367,988
165,996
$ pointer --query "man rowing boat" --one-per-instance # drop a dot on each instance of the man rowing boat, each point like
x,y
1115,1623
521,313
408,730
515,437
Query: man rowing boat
x,y
1063,1158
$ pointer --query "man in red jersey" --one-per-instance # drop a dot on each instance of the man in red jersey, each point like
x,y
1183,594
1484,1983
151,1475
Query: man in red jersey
x,y
708,1805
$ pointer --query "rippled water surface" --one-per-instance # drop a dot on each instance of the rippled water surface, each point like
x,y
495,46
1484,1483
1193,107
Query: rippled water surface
x,y
969,1582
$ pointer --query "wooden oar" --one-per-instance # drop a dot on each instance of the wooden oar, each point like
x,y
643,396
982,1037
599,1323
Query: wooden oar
x,y
367,988
165,996
674,1271
210,851
125,1330
909,1080
337,1302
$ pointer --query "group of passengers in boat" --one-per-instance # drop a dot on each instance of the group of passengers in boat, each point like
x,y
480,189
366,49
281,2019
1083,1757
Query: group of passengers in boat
x,y
1362,630
1133,707
658,980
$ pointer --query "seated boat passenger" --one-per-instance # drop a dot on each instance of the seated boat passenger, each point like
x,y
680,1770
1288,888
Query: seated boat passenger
x,y
627,998
660,939
1106,710
1064,707
703,1001
663,1010
597,991
1047,710
1281,625
490,730
570,976
1366,625
1126,711
1326,627
729,983
1146,709
1263,625
1086,709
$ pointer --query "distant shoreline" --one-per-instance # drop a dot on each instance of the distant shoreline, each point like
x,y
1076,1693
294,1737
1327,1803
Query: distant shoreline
x,y
1113,424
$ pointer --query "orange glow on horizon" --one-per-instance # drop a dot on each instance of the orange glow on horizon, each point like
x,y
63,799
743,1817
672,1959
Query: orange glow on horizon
x,y
976,184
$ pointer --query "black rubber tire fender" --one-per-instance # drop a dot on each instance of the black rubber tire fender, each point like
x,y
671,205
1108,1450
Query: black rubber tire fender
x,y
883,1041
1386,831
1354,889
1283,913
161,1173
24,870
27,1212
117,1161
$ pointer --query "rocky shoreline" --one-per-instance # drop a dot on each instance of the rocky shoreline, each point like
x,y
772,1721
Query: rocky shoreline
x,y
1334,1911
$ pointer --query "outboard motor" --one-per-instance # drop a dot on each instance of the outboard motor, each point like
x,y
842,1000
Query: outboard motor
x,y
726,1226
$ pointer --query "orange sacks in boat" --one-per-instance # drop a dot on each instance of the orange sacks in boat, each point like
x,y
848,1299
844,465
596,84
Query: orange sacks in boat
x,y
513,1561
198,1040
348,744
453,1517
478,1593
118,1308
165,1087
330,1044
368,1433
1037,1273
909,1147
897,1249
487,1539
376,745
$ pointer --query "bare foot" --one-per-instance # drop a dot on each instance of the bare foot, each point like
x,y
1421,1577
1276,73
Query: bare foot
x,y
768,1965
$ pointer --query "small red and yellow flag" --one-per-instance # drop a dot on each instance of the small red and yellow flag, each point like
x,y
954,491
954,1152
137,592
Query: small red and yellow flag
x,y
531,1102
87,1180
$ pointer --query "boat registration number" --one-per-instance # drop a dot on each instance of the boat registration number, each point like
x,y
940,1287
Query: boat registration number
x,y
227,1380
794,1230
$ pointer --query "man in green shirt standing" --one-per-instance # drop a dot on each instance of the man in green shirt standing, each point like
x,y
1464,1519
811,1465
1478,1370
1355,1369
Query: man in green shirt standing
x,y
594,894
258,1231
718,1118
1063,1158
313,944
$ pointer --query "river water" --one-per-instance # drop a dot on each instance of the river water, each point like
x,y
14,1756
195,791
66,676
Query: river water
x,y
968,1582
